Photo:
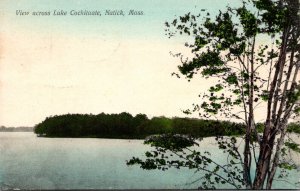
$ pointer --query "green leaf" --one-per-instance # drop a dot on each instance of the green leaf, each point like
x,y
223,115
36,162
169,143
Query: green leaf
x,y
232,79
287,166
293,146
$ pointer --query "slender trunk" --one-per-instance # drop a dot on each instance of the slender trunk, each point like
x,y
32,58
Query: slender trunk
x,y
284,92
280,143
250,125
283,128
266,147
276,158
247,155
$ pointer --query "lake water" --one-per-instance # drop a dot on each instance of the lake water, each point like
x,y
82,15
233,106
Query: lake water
x,y
30,162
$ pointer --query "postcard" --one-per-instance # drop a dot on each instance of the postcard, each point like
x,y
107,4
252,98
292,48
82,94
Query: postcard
x,y
136,94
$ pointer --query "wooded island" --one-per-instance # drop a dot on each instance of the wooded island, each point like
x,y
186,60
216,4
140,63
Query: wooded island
x,y
124,125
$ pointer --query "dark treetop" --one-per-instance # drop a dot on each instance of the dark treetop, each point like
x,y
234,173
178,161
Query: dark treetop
x,y
124,125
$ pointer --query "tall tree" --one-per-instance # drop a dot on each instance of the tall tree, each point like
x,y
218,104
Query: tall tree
x,y
253,51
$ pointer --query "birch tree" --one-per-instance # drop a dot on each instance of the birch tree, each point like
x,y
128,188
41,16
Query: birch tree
x,y
253,52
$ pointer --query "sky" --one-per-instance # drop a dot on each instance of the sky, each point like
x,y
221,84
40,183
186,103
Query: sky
x,y
52,65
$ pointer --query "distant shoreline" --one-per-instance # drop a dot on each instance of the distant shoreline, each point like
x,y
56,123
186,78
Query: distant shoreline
x,y
16,129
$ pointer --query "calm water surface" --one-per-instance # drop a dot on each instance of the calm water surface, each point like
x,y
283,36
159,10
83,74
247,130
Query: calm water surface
x,y
29,162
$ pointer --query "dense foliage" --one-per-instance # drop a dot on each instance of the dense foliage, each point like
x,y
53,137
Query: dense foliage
x,y
124,125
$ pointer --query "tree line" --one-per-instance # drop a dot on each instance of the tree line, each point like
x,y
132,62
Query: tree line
x,y
16,129
124,125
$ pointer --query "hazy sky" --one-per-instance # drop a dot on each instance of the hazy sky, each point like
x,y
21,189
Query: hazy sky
x,y
89,64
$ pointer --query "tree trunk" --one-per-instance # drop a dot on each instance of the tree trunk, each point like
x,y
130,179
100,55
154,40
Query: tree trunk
x,y
269,133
